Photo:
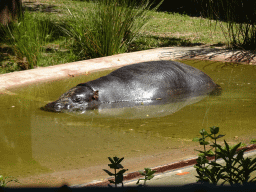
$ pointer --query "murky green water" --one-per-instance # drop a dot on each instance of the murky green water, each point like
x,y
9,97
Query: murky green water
x,y
34,141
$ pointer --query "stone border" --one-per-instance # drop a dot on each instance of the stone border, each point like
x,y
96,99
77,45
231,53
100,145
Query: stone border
x,y
44,74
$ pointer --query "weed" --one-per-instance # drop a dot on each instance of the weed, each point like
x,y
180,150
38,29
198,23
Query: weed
x,y
107,28
149,174
237,169
240,26
115,164
5,180
27,38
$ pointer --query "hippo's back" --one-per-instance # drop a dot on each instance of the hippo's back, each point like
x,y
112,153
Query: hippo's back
x,y
151,80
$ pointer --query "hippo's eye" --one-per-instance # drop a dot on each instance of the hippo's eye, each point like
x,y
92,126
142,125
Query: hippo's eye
x,y
77,100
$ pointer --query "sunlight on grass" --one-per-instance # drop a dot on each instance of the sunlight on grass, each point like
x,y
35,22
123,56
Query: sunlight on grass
x,y
107,28
76,30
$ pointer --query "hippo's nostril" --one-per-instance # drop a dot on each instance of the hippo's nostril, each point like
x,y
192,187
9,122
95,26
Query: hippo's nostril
x,y
67,106
57,106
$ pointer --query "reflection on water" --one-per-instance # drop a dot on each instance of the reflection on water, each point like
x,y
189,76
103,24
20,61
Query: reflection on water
x,y
139,110
34,141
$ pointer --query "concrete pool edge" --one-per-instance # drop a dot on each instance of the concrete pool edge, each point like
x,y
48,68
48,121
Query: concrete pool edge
x,y
159,169
44,74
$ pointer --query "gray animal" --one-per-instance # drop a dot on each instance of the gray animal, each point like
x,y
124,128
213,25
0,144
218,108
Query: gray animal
x,y
147,82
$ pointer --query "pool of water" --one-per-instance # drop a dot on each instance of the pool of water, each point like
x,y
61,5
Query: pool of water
x,y
35,142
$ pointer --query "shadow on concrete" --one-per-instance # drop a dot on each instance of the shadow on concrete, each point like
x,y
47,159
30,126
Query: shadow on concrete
x,y
218,54
41,7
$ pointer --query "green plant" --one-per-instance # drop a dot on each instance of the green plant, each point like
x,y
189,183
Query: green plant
x,y
5,180
237,169
240,25
27,38
107,28
253,141
149,174
115,164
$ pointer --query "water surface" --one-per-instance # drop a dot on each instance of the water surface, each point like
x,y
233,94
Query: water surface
x,y
34,142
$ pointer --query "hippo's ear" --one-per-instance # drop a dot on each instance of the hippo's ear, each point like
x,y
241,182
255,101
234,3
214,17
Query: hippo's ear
x,y
95,95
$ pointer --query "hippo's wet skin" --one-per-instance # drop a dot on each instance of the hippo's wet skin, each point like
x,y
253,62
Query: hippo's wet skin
x,y
146,82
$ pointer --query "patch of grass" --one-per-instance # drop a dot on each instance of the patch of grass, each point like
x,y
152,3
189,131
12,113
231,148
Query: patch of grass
x,y
56,47
240,26
5,180
107,28
27,38
191,29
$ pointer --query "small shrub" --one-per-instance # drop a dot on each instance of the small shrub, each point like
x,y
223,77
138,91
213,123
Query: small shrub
x,y
5,180
237,169
107,28
27,38
115,164
239,27
149,174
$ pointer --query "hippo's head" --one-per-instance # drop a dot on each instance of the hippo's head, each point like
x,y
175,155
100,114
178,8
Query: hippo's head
x,y
78,98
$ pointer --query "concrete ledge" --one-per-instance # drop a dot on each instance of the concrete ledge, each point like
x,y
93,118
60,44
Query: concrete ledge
x,y
21,78
159,169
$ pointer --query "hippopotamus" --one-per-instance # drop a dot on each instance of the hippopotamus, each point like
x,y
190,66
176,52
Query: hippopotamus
x,y
137,84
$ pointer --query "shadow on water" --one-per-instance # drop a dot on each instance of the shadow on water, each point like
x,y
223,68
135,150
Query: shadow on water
x,y
36,142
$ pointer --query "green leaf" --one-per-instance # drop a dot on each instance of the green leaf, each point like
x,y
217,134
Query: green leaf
x,y
219,136
111,181
119,178
150,177
108,172
119,161
142,173
111,160
122,171
214,130
201,152
150,171
233,151
196,139
115,166
203,132
115,159
204,142
140,180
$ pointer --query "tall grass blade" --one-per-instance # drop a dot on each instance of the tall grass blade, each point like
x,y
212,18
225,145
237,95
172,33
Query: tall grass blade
x,y
27,38
107,28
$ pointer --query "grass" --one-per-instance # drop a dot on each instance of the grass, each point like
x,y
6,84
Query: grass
x,y
240,28
107,28
56,47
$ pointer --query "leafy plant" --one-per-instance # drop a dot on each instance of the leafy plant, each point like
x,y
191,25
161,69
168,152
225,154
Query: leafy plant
x,y
115,164
107,28
27,38
240,25
237,169
149,174
5,180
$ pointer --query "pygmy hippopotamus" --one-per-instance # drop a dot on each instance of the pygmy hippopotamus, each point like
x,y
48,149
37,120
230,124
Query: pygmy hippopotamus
x,y
145,82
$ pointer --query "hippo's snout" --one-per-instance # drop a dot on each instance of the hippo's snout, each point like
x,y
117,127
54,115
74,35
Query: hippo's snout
x,y
56,107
